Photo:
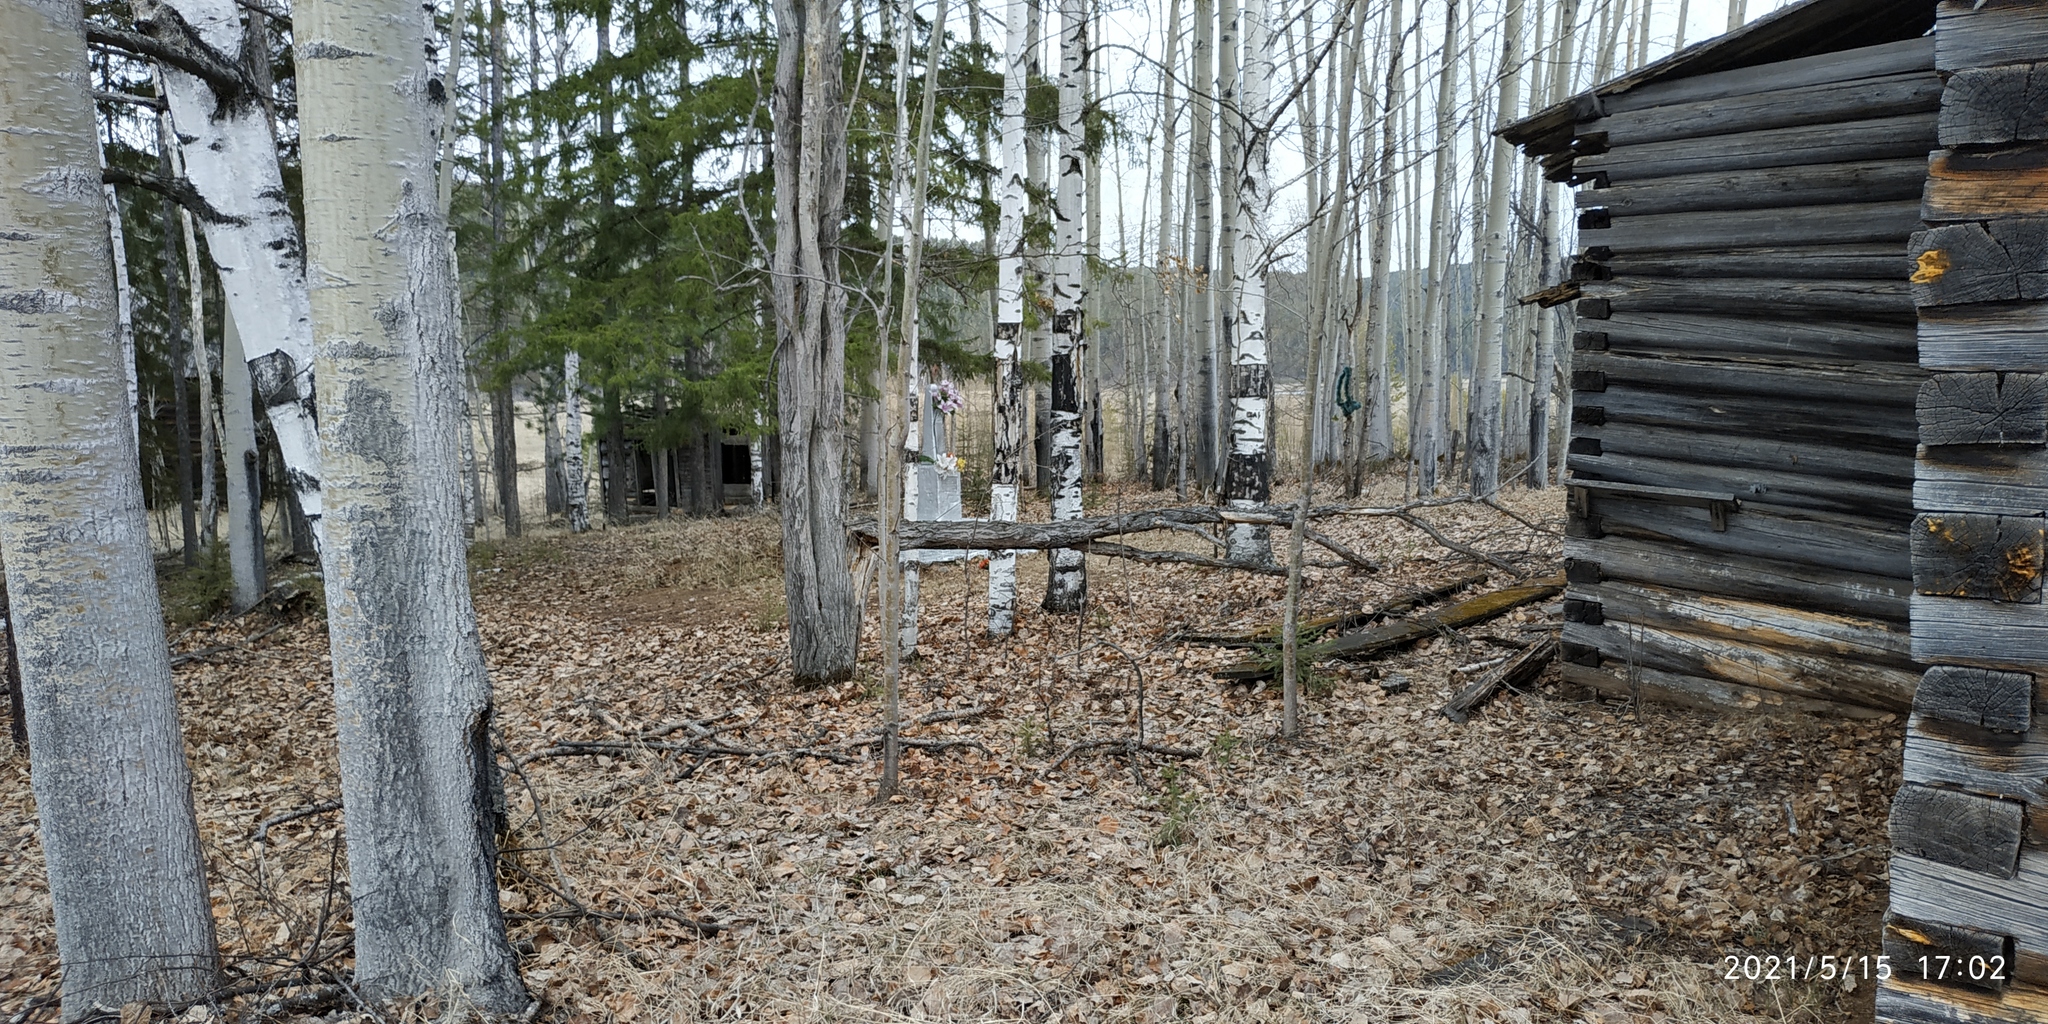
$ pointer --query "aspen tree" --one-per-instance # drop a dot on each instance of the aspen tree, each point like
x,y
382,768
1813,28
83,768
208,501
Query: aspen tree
x,y
1230,176
1738,14
1199,434
1378,422
1248,473
1484,431
113,793
230,157
1172,267
243,462
1009,412
1427,426
412,696
1066,588
1540,384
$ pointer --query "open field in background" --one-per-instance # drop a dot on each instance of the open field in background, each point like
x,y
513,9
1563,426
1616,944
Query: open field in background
x,y
1553,860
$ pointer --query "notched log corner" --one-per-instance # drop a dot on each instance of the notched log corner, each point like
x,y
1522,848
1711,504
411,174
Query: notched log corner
x,y
1984,557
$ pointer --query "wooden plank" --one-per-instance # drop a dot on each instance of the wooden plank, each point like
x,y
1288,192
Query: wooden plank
x,y
1747,663
1839,224
1865,261
1925,889
1830,103
1973,833
1939,752
1973,555
1519,670
1989,106
1984,408
1858,181
1978,697
1907,1001
2004,480
2004,260
1889,466
1839,142
1725,336
1316,627
1707,694
1378,640
1662,563
1790,536
1867,299
1786,416
1763,624
1999,32
2009,181
1791,488
2008,337
1949,954
1803,72
1986,634
1887,384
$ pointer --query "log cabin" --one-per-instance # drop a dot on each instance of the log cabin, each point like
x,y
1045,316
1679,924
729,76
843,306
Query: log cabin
x,y
1808,452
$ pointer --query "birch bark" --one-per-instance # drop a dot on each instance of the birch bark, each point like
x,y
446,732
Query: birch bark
x,y
113,793
1492,326
1248,475
244,466
1009,413
1426,427
1379,420
231,159
1198,436
1066,588
412,697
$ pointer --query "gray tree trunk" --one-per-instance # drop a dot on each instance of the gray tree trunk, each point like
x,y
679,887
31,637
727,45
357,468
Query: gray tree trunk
x,y
244,465
1198,437
1248,475
113,793
412,697
1484,430
810,327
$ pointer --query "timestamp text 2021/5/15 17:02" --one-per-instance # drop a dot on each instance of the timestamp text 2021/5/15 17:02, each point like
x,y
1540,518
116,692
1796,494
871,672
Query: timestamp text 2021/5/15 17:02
x,y
1792,967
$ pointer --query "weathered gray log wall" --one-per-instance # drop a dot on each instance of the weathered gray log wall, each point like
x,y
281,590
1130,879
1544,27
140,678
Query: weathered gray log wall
x,y
1746,381
1968,928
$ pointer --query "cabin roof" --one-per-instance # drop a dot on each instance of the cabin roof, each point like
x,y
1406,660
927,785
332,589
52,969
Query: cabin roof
x,y
1804,29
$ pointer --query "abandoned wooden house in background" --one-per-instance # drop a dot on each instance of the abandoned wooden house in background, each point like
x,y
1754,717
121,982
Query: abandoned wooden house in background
x,y
1807,442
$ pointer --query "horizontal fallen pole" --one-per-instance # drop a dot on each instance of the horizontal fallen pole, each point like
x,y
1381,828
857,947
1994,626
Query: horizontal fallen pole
x,y
998,535
1402,632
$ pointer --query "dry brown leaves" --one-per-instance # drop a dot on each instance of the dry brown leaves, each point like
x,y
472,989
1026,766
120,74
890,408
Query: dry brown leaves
x,y
1555,859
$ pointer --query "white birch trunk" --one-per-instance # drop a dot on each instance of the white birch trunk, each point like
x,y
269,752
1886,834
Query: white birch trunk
x,y
1738,14
1066,588
113,793
1198,429
1010,412
575,489
231,159
1379,420
1492,324
124,300
244,466
412,697
1430,408
1248,475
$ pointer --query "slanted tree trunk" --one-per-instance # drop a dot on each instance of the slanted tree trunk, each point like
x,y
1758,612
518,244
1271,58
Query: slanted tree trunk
x,y
1009,428
230,156
244,465
113,793
195,304
10,676
1484,429
1248,475
551,459
1066,588
412,697
179,334
810,328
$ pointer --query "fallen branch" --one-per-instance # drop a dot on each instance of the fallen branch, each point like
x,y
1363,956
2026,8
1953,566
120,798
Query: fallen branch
x,y
1401,605
581,913
1468,551
200,655
998,535
1330,544
1127,746
263,827
1401,633
1523,667
1115,550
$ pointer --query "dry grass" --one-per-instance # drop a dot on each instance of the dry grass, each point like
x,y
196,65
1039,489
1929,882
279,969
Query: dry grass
x,y
1553,860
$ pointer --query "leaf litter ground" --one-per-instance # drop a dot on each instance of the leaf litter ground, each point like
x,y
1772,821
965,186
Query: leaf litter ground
x,y
1555,859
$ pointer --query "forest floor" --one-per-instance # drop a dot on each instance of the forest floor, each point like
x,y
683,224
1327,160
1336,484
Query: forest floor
x,y
1554,859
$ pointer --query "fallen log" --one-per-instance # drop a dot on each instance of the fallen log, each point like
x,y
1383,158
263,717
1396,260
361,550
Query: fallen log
x,y
1520,669
1402,632
1313,628
997,535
